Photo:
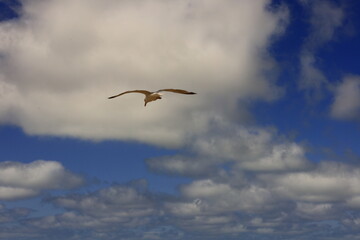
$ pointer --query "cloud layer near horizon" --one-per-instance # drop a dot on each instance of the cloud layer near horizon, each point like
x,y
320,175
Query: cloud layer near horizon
x,y
60,62
227,205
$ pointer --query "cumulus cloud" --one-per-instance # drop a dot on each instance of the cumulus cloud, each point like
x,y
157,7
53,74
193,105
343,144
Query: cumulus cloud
x,y
60,62
327,182
223,197
325,18
250,148
243,148
20,180
346,103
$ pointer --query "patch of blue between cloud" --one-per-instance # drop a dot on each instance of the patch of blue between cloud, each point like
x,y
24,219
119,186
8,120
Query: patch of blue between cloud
x,y
8,9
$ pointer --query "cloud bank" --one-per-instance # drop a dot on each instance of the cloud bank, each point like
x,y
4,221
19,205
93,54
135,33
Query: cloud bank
x,y
317,202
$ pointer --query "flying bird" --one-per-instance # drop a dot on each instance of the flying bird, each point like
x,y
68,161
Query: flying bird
x,y
153,96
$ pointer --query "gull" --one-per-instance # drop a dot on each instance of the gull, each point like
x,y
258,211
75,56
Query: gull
x,y
153,96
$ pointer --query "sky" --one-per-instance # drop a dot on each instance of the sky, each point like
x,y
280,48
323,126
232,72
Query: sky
x,y
268,148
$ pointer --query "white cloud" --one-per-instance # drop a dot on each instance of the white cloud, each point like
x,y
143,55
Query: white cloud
x,y
347,99
316,211
223,197
288,156
264,201
62,60
117,210
68,219
250,148
205,188
243,148
10,193
266,175
19,180
119,202
184,208
328,182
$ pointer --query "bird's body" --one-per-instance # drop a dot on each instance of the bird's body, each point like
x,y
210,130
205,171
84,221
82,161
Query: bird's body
x,y
153,96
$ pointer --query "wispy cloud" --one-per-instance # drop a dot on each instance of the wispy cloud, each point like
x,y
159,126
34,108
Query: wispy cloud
x,y
346,103
10,215
325,19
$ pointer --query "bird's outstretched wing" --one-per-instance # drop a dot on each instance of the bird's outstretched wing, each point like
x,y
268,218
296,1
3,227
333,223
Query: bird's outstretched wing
x,y
176,91
132,91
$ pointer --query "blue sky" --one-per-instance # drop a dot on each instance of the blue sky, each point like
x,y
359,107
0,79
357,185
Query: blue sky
x,y
268,148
